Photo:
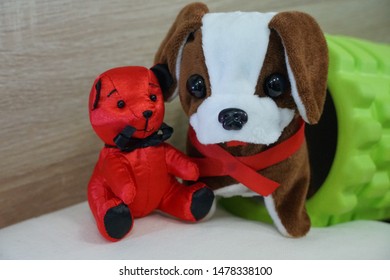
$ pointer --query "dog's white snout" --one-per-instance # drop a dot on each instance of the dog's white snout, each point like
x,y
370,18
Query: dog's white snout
x,y
263,123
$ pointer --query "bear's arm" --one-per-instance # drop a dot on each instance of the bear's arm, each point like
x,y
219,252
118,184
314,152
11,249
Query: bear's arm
x,y
118,175
180,165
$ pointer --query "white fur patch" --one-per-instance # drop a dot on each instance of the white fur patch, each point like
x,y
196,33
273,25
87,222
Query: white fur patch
x,y
235,190
235,45
270,205
177,69
266,120
294,90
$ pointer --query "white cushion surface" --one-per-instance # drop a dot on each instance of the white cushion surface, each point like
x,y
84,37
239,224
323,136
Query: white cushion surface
x,y
71,234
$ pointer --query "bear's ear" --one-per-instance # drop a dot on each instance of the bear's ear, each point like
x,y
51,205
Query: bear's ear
x,y
98,87
164,78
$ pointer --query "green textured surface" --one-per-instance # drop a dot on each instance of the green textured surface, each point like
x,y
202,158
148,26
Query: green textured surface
x,y
358,184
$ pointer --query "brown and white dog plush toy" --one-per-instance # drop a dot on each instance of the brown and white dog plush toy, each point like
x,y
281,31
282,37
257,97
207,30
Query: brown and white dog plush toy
x,y
246,80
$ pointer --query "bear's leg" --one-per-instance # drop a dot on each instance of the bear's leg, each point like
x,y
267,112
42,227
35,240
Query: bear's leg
x,y
118,221
190,203
113,218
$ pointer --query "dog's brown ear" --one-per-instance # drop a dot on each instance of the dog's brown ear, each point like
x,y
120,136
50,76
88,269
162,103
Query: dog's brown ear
x,y
306,59
187,21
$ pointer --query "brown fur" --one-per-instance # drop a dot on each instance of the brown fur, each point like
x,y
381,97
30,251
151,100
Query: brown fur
x,y
305,45
188,20
193,62
308,56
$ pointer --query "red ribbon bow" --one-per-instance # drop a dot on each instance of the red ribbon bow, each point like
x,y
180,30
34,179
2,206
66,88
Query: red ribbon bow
x,y
219,162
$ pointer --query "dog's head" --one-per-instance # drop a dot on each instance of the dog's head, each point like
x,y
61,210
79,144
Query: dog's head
x,y
130,97
245,76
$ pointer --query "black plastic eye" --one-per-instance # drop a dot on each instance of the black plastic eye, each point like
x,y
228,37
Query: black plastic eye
x,y
153,97
275,85
196,86
120,104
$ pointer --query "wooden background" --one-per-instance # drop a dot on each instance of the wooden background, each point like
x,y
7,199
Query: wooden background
x,y
50,53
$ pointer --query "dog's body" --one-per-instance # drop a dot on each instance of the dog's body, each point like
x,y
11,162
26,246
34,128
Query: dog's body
x,y
251,77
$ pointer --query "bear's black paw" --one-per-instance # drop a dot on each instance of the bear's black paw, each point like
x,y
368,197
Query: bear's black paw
x,y
118,221
202,200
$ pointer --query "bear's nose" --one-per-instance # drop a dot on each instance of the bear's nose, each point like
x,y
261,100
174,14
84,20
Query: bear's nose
x,y
147,114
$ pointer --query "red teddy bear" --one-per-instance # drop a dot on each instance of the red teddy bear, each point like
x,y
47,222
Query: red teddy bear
x,y
136,170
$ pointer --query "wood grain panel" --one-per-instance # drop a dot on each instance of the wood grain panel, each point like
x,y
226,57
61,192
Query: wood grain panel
x,y
50,52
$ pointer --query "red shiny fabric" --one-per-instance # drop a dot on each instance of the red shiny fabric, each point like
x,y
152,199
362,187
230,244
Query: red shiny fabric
x,y
133,85
144,179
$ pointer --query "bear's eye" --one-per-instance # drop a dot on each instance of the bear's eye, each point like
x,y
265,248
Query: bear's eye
x,y
196,86
153,97
275,85
120,104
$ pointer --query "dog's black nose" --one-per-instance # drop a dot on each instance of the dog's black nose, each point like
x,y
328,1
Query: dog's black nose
x,y
233,118
147,114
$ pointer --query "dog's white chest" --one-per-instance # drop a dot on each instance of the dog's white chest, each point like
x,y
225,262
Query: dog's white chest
x,y
235,190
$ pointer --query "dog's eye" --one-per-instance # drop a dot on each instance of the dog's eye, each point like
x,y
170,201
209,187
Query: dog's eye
x,y
196,86
120,104
275,85
153,97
